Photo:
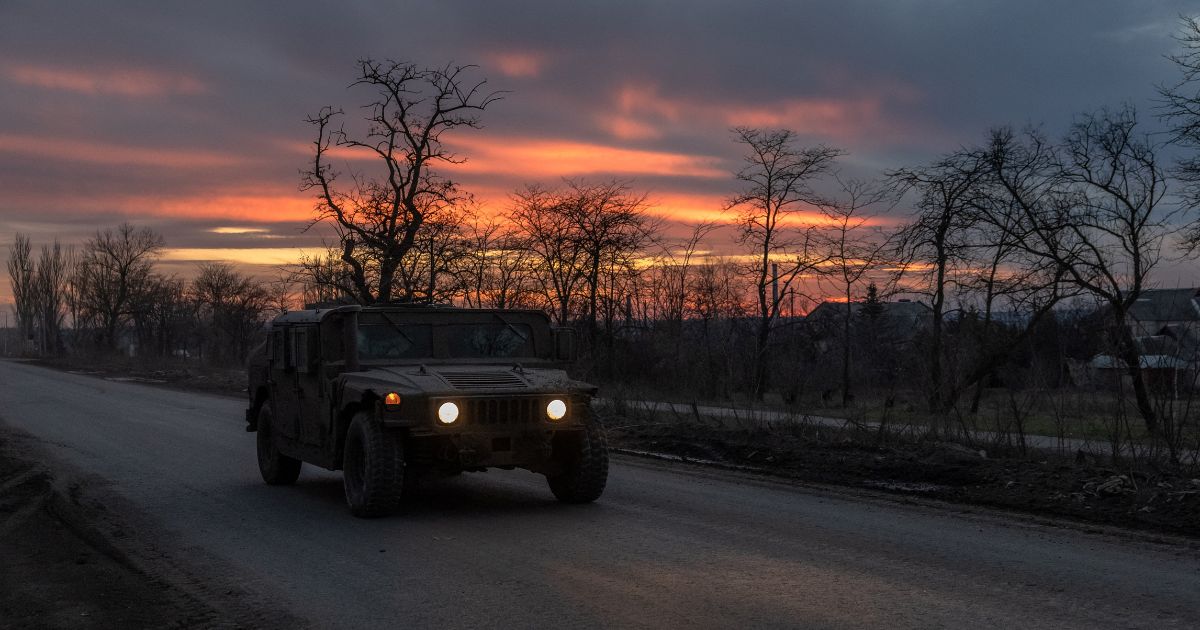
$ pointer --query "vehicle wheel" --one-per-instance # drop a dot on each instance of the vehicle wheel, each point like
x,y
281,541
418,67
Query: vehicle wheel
x,y
372,468
584,458
277,469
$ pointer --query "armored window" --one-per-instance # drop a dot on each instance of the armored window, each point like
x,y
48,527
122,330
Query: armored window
x,y
488,340
275,349
394,341
289,349
300,349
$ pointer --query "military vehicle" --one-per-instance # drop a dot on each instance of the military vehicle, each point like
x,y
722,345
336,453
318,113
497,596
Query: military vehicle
x,y
389,394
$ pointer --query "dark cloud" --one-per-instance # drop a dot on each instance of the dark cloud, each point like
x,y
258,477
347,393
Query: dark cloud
x,y
187,102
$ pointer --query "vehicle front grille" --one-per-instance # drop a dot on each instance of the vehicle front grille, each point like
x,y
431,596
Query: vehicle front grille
x,y
483,380
503,411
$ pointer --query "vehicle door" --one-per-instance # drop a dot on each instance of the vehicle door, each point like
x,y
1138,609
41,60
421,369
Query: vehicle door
x,y
310,396
283,382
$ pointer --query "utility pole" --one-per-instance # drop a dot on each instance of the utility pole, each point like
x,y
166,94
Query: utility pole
x,y
775,287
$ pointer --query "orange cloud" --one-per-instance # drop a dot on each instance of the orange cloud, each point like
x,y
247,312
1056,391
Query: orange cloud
x,y
527,159
643,113
644,99
690,208
519,65
273,256
238,206
830,117
128,82
530,159
238,230
629,128
100,153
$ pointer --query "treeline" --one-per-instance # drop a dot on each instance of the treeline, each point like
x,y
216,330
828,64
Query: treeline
x,y
117,301
999,235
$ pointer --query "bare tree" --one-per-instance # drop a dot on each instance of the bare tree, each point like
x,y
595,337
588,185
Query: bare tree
x,y
1092,208
962,243
22,277
671,279
54,270
231,305
937,241
1180,106
852,248
113,267
716,293
544,220
282,292
165,319
495,266
776,186
323,277
377,218
1001,274
427,273
611,224
584,240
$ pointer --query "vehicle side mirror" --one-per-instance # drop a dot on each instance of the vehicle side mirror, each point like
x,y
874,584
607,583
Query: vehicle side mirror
x,y
564,344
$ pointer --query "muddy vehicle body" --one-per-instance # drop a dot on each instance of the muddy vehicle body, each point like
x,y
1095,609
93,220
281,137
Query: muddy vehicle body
x,y
390,394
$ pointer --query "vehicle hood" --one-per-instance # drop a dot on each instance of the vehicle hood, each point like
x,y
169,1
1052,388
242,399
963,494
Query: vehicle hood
x,y
467,380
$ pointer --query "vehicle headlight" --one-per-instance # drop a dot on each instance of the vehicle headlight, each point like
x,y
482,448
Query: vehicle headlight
x,y
556,410
448,413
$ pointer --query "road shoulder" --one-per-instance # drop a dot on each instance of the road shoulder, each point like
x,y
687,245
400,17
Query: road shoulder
x,y
76,555
991,515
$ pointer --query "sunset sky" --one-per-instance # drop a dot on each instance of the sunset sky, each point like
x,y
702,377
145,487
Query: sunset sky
x,y
188,117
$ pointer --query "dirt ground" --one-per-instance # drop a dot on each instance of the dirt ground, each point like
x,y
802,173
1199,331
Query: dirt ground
x,y
65,559
1086,490
163,372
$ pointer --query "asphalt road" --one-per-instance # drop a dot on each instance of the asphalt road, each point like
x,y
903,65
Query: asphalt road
x,y
664,547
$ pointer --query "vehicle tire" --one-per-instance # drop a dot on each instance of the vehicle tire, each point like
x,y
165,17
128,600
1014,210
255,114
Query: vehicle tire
x,y
372,468
277,469
584,458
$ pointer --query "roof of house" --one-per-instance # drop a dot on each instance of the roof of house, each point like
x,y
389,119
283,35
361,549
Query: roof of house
x,y
1145,361
1163,305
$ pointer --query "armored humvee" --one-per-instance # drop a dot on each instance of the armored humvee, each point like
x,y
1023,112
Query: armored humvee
x,y
388,394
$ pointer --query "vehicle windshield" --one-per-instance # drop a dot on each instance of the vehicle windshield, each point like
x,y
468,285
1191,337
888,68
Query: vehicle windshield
x,y
394,341
391,340
489,340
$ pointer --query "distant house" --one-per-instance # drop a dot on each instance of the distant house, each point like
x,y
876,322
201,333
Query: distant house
x,y
1166,328
1160,309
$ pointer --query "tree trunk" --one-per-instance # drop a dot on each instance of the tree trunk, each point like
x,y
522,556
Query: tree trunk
x,y
761,349
1127,350
846,354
